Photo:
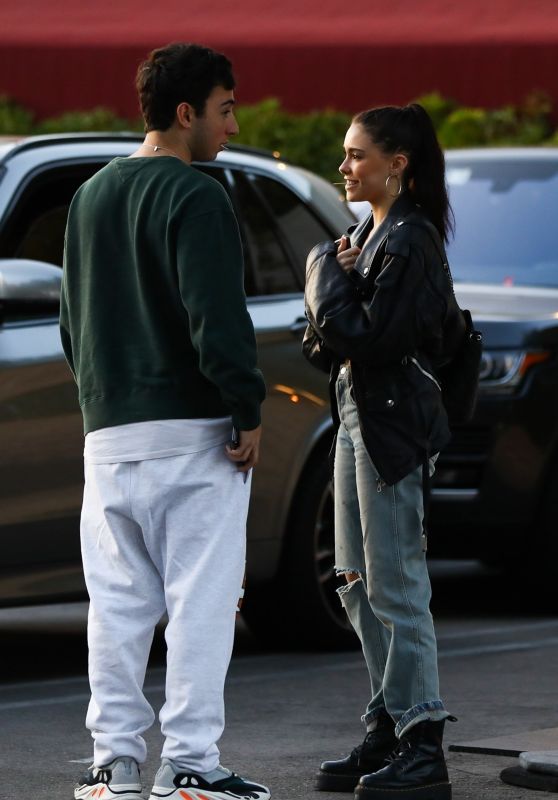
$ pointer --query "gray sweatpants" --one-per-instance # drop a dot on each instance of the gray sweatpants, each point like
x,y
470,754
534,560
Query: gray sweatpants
x,y
164,534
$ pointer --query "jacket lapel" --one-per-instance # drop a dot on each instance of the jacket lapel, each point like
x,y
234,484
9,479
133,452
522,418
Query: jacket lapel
x,y
403,205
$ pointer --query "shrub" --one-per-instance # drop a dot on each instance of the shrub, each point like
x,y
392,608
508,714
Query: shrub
x,y
528,124
437,106
314,140
97,119
464,127
14,119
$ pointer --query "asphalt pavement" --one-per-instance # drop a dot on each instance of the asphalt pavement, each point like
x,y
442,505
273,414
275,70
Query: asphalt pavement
x,y
288,710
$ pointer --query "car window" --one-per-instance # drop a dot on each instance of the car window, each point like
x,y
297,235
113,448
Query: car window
x,y
266,252
217,173
298,223
227,181
44,238
505,214
35,226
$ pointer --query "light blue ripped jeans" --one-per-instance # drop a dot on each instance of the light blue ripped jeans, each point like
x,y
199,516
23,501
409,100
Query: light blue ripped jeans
x,y
378,534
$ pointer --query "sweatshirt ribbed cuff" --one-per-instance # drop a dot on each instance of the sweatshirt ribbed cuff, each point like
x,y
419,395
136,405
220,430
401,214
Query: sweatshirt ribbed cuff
x,y
247,420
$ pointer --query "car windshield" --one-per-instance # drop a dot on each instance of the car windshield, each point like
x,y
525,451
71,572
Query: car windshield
x,y
506,231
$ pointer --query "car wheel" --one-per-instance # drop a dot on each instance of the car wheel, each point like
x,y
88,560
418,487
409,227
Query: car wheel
x,y
542,552
301,606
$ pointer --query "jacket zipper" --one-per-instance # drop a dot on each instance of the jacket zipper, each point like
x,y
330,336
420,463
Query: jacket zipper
x,y
424,372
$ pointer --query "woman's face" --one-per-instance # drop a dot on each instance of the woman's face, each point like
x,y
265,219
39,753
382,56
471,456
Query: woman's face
x,y
366,168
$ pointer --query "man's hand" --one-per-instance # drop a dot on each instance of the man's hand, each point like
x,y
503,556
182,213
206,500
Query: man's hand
x,y
346,256
246,455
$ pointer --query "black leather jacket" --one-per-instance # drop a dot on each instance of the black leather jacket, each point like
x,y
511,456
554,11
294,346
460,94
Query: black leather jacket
x,y
396,318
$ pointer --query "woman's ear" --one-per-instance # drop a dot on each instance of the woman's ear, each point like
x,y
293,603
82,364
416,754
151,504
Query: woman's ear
x,y
399,163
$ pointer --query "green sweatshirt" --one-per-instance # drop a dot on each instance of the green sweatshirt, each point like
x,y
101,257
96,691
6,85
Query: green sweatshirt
x,y
153,314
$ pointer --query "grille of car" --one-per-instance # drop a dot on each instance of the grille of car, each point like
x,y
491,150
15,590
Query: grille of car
x,y
468,442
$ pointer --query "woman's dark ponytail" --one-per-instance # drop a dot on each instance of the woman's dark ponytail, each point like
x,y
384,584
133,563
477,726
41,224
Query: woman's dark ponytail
x,y
409,130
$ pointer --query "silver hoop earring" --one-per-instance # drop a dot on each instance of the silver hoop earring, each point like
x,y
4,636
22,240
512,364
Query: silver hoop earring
x,y
399,188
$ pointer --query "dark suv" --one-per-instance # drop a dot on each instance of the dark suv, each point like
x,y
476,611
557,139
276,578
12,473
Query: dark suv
x,y
496,495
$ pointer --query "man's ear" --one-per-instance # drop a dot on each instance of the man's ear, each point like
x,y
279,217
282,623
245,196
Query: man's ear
x,y
184,114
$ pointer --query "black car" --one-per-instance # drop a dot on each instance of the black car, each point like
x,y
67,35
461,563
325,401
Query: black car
x,y
496,485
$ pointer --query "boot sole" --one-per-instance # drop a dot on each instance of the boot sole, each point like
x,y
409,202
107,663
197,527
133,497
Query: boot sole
x,y
436,791
327,782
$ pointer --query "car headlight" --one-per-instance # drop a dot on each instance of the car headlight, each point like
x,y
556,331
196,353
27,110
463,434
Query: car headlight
x,y
502,371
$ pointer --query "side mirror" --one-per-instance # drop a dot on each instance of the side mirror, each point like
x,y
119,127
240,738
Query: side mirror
x,y
28,289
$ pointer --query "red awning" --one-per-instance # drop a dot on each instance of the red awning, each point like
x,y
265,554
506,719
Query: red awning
x,y
67,55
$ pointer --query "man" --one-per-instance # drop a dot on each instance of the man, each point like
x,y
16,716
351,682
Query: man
x,y
156,331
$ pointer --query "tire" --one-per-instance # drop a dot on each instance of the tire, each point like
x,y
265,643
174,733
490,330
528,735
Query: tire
x,y
542,548
300,608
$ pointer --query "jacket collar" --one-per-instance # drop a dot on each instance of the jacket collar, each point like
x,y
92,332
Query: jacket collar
x,y
401,208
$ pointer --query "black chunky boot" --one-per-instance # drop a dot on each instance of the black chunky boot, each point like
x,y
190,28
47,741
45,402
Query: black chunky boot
x,y
343,775
415,771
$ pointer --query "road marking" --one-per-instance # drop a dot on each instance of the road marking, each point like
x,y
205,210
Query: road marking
x,y
511,647
44,701
467,634
454,652
14,687
526,626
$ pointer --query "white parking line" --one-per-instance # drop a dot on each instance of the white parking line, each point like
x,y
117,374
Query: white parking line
x,y
525,626
76,679
511,647
160,671
454,652
466,634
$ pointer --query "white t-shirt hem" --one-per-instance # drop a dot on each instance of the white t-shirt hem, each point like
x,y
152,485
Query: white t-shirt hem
x,y
140,441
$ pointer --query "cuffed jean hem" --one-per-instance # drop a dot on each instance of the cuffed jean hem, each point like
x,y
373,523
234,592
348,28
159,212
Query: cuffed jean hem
x,y
433,710
370,717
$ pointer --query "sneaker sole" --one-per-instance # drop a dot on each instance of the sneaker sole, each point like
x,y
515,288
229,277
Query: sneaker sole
x,y
103,792
327,782
436,791
206,794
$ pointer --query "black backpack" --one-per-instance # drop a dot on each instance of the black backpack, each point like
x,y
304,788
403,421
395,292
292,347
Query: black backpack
x,y
459,378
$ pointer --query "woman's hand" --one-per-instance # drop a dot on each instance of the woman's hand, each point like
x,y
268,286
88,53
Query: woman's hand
x,y
346,256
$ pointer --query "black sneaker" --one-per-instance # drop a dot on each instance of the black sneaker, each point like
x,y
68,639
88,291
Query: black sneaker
x,y
173,784
344,774
119,779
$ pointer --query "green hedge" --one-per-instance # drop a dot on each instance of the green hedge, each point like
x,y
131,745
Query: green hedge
x,y
97,119
14,119
314,140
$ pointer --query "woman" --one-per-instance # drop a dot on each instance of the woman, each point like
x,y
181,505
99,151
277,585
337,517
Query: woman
x,y
383,317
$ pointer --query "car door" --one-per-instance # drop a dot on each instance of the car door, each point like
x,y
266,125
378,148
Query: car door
x,y
41,468
278,230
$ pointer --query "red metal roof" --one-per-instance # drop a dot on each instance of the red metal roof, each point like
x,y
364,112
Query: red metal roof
x,y
68,54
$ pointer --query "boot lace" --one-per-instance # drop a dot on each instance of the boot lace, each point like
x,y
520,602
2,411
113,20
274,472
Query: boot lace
x,y
403,752
368,739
